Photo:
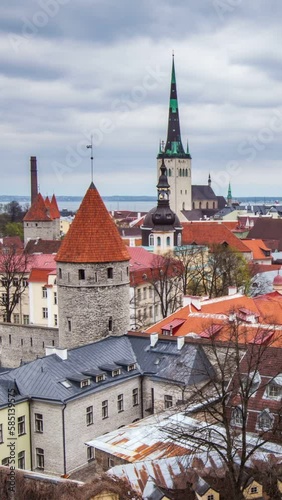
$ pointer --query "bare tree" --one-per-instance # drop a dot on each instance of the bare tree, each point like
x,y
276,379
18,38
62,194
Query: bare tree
x,y
164,276
210,271
246,365
13,276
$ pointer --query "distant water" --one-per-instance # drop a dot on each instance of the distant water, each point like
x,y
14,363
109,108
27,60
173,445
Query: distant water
x,y
134,206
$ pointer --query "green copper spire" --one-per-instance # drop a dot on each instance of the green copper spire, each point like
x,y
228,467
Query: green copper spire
x,y
174,145
229,194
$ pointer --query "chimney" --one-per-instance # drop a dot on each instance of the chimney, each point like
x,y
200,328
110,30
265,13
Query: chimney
x,y
33,178
180,343
154,339
60,351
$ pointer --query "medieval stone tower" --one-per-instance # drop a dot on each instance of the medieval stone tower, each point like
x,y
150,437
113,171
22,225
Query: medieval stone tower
x,y
177,162
92,276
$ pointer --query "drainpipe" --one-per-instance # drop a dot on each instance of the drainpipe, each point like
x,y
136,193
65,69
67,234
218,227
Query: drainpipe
x,y
141,397
30,436
64,439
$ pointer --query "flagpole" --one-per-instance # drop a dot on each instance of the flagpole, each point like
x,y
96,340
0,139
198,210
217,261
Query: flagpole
x,y
90,146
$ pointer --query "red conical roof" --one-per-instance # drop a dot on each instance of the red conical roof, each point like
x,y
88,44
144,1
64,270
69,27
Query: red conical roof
x,y
38,211
54,208
92,236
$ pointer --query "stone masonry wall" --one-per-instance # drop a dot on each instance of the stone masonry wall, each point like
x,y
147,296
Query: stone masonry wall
x,y
88,306
20,343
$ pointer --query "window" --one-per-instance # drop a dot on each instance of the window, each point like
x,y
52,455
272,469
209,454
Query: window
x,y
16,317
85,383
26,319
1,434
237,417
111,462
21,425
105,413
31,341
210,497
168,241
120,402
60,272
150,292
55,320
100,378
150,311
151,240
110,323
4,297
38,417
135,397
116,372
55,298
158,241
90,453
10,339
167,401
81,274
89,415
144,293
110,273
265,420
138,294
254,490
25,282
69,325
40,458
6,461
273,391
45,312
21,460
15,281
4,282
44,292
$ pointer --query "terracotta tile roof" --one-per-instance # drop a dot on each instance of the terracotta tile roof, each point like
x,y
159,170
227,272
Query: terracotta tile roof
x,y
38,211
267,309
210,233
55,209
93,235
39,275
257,246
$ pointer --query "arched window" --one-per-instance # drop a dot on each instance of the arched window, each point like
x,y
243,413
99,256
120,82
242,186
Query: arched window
x,y
200,204
183,172
158,241
186,173
207,204
179,239
169,172
168,241
180,172
183,205
151,240
193,205
213,204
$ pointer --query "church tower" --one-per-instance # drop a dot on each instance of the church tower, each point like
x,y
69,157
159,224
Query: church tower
x,y
92,276
177,161
161,229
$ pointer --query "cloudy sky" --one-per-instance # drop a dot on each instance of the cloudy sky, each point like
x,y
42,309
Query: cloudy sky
x,y
75,68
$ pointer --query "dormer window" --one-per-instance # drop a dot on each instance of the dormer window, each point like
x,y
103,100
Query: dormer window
x,y
85,383
131,367
265,420
116,372
100,378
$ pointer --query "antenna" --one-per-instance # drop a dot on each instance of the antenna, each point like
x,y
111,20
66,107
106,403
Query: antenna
x,y
90,146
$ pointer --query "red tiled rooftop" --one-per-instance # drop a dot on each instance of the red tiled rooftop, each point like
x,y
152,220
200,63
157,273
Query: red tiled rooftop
x,y
93,235
211,233
257,246
38,211
39,275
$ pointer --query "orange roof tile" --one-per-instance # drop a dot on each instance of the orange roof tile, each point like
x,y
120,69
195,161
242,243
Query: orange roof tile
x,y
210,233
257,246
55,209
93,236
39,275
38,211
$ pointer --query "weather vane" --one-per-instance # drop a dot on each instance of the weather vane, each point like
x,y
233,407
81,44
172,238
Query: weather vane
x,y
91,157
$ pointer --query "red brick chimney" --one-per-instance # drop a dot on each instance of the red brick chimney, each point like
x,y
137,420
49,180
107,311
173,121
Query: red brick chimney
x,y
33,178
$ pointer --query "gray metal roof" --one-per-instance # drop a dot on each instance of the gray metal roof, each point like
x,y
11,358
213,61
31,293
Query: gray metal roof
x,y
43,378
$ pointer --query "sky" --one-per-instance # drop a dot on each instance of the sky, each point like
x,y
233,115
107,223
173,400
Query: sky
x,y
74,69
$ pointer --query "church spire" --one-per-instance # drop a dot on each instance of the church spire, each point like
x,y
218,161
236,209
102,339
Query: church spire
x,y
163,187
174,145
229,196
